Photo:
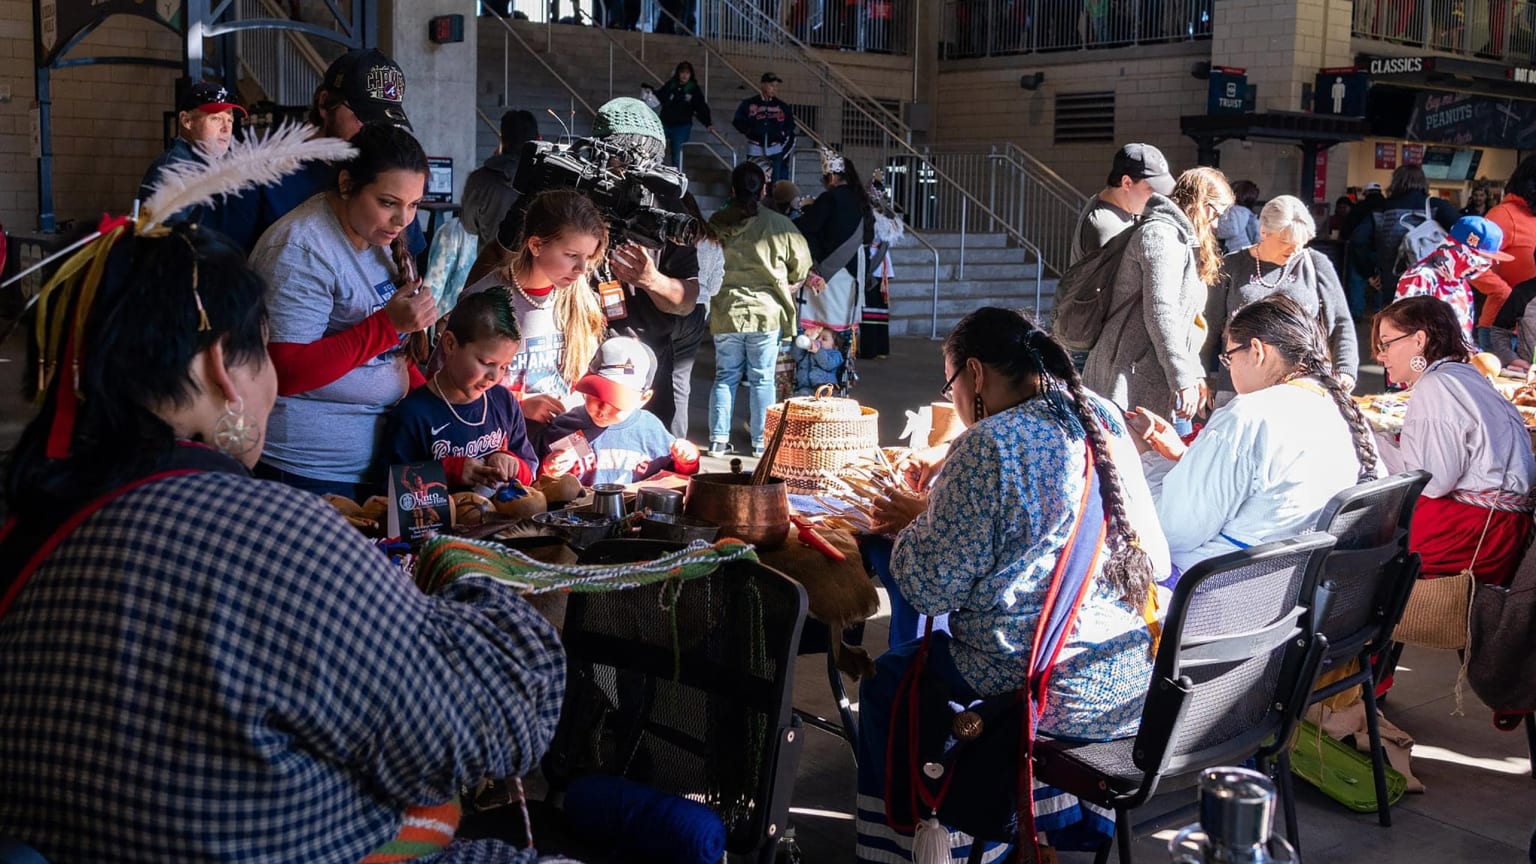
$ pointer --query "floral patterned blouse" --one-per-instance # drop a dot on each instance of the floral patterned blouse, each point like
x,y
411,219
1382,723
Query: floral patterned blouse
x,y
984,551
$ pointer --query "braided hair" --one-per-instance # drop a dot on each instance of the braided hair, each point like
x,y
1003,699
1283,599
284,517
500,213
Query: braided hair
x,y
1008,344
1280,323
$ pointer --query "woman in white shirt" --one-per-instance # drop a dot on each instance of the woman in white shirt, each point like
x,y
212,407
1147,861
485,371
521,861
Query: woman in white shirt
x,y
1476,511
1269,460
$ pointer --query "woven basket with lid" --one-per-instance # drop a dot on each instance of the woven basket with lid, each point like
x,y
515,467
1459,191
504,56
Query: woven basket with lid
x,y
823,434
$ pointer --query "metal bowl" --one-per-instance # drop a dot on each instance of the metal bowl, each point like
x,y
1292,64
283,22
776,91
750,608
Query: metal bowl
x,y
679,529
756,514
578,528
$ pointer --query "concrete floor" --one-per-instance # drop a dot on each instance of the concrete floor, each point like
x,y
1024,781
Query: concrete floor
x,y
1481,798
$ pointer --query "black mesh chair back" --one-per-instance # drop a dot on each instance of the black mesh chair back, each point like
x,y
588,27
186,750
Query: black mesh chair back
x,y
1368,576
1236,660
687,687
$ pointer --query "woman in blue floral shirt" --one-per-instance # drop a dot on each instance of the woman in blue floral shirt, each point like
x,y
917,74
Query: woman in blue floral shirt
x,y
982,547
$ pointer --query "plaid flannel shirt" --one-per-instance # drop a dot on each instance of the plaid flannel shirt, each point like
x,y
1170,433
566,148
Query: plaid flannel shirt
x,y
215,668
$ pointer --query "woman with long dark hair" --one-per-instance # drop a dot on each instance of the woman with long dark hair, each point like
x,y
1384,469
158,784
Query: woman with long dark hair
x,y
344,296
983,545
188,637
1271,458
765,257
836,224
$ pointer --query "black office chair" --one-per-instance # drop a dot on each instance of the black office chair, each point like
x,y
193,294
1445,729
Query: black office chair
x,y
687,687
1361,594
1229,682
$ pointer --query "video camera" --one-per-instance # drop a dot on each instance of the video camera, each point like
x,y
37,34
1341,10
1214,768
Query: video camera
x,y
631,200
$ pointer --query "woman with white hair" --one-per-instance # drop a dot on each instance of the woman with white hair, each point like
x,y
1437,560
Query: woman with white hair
x,y
1281,263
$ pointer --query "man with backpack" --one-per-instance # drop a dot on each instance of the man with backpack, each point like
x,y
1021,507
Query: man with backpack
x,y
1404,228
1137,172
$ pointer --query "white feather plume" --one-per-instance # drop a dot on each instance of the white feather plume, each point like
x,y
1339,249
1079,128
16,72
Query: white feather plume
x,y
248,164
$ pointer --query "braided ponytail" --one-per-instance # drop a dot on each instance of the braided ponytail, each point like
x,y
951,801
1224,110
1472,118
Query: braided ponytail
x,y
1365,443
1009,344
1129,569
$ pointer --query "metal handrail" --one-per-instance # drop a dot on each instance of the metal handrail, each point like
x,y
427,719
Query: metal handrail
x,y
861,105
615,43
1026,162
542,62
916,235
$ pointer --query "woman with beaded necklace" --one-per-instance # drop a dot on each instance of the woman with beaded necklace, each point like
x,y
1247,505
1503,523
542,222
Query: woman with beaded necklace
x,y
564,237
1281,263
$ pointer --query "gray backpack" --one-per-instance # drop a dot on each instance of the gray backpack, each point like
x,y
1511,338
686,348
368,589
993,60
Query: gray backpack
x,y
1084,292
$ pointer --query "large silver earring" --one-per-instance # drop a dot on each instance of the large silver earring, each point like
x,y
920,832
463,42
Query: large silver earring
x,y
1417,363
234,433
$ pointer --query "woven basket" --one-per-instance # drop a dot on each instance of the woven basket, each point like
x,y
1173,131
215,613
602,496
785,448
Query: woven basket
x,y
1436,615
823,435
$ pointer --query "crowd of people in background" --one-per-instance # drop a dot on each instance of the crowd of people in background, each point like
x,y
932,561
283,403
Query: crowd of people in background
x,y
286,334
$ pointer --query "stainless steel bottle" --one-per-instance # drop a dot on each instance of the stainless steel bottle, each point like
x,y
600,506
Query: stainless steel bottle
x,y
1236,811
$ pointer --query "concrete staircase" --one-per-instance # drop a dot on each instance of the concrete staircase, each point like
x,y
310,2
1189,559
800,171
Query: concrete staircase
x,y
996,274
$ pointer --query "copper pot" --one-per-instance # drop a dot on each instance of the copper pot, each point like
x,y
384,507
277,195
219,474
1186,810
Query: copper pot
x,y
757,514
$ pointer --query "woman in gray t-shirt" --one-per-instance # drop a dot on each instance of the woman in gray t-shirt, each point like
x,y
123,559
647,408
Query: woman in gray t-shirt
x,y
336,319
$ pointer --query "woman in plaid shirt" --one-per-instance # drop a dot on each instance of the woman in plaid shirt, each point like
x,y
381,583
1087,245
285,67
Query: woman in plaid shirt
x,y
210,667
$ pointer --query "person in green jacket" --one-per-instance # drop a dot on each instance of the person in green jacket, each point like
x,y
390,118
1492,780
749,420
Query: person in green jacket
x,y
765,258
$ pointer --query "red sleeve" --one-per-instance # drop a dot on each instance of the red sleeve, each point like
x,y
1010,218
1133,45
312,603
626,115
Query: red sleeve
x,y
453,468
417,379
305,367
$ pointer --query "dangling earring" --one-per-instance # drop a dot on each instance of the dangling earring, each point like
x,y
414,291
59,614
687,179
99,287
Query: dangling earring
x,y
979,408
1417,363
234,434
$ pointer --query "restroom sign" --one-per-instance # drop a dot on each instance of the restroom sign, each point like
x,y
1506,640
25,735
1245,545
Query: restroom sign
x,y
1341,92
1228,92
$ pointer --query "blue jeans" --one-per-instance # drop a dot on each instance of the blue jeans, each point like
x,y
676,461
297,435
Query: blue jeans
x,y
738,355
677,136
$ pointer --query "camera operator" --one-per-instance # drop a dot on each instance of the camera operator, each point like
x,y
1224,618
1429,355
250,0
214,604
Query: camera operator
x,y
656,289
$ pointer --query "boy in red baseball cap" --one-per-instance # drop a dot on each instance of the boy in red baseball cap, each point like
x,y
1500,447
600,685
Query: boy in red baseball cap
x,y
628,443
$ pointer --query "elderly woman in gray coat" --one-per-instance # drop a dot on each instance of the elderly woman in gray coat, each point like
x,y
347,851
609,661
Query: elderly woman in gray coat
x,y
1281,263
1149,353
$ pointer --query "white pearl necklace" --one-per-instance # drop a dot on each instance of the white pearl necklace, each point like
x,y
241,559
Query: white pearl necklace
x,y
537,304
484,409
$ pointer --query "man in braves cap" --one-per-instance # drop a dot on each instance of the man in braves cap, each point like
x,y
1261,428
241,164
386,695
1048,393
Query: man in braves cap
x,y
362,86
205,122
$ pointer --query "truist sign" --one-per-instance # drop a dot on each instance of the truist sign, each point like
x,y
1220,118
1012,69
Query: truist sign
x,y
1400,65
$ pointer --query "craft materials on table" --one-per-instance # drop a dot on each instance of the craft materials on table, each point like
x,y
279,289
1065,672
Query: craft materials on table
x,y
444,559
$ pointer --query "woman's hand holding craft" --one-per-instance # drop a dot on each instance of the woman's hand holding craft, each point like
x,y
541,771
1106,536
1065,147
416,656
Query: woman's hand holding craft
x,y
917,468
896,509
410,310
1156,433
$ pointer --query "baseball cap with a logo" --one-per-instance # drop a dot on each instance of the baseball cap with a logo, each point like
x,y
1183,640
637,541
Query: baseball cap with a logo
x,y
209,98
620,374
1481,236
371,84
1142,162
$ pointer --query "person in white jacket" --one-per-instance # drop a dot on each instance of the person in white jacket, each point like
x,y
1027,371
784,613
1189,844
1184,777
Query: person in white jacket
x,y
1269,460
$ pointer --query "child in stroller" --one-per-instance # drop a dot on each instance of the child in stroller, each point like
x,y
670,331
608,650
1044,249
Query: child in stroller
x,y
818,360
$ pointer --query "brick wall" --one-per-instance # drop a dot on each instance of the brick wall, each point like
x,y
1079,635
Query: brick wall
x,y
981,102
106,119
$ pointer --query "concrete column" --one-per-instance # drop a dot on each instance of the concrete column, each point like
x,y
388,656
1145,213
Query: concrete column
x,y
1282,45
439,79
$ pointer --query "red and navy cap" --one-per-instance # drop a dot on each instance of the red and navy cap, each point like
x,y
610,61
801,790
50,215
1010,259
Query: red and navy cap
x,y
209,98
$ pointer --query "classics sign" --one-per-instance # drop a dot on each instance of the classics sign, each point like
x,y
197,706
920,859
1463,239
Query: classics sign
x,y
1398,65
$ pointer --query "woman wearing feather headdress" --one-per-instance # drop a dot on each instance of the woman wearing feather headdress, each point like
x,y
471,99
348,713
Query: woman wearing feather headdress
x,y
178,633
343,297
